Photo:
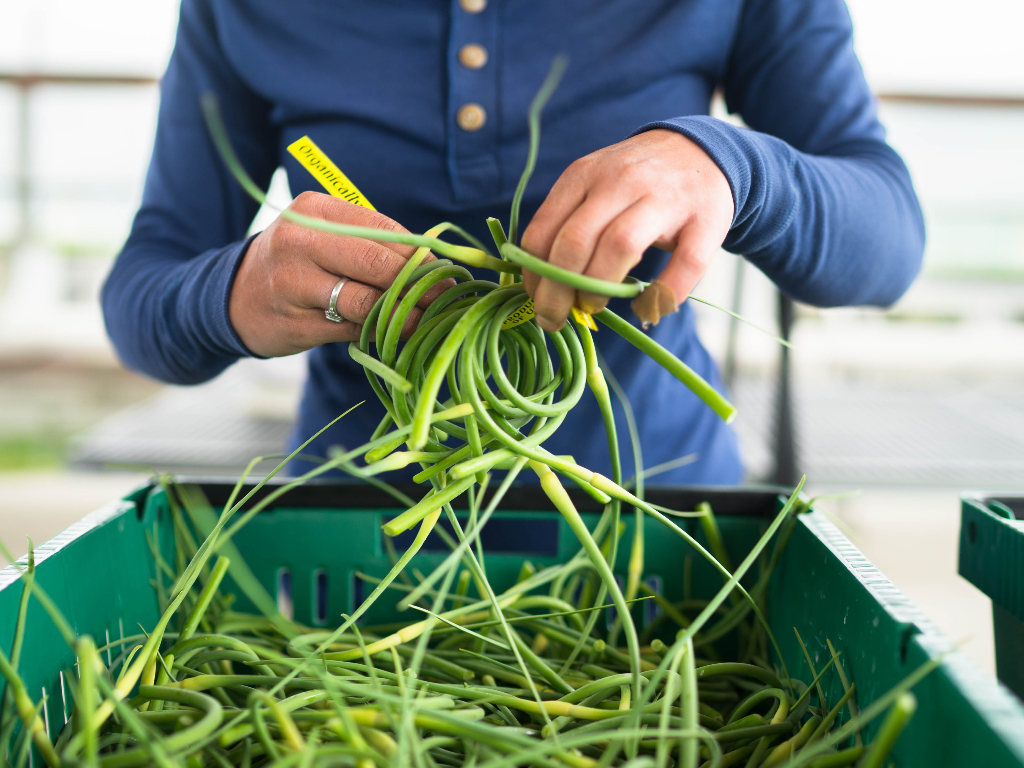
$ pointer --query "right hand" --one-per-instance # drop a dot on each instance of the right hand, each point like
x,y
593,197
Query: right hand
x,y
284,282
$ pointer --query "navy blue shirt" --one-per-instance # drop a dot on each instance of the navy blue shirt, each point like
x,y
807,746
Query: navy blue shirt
x,y
823,205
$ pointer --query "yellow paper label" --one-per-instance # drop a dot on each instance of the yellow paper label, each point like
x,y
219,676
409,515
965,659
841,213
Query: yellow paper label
x,y
520,316
327,173
525,313
313,159
584,318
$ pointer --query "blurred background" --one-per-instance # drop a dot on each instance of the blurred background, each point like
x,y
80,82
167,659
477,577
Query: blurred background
x,y
908,406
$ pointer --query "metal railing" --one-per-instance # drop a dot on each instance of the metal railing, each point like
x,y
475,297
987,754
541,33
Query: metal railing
x,y
952,100
25,83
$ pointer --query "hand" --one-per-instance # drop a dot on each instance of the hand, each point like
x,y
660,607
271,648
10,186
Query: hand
x,y
286,277
657,188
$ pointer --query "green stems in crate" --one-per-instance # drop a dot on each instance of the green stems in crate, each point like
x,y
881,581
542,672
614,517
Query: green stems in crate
x,y
599,387
810,665
556,493
27,712
634,570
869,713
833,713
205,597
88,698
848,688
899,716
689,704
8,719
593,713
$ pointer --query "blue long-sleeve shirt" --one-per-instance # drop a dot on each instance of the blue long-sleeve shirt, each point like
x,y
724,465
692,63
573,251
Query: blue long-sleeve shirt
x,y
823,205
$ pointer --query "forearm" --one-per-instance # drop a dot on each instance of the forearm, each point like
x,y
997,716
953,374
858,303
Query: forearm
x,y
168,318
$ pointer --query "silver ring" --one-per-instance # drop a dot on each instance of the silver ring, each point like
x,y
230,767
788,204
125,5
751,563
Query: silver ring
x,y
331,313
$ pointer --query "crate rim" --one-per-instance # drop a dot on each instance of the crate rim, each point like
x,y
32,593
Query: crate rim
x,y
11,572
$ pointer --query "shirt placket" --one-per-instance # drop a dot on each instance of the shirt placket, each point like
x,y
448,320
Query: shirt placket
x,y
473,100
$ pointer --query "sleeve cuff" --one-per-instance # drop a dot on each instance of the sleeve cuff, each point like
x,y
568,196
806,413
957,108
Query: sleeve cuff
x,y
225,304
208,284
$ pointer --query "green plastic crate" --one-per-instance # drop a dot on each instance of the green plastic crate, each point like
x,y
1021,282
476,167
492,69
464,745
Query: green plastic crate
x,y
308,547
992,559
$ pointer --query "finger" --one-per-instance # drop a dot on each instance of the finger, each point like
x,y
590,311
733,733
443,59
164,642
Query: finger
x,y
367,261
354,301
623,243
573,249
565,196
361,260
321,206
316,329
695,249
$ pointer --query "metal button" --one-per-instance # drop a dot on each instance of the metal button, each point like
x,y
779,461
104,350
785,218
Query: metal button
x,y
473,6
471,117
472,56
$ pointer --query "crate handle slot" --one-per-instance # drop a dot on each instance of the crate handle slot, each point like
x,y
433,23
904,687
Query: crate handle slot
x,y
359,592
651,608
284,593
320,593
611,613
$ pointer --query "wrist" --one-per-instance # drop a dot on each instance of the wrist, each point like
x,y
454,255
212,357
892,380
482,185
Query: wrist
x,y
724,144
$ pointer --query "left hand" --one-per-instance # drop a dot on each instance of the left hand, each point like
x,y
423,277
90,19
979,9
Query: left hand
x,y
657,188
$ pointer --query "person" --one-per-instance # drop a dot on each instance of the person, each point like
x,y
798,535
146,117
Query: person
x,y
424,104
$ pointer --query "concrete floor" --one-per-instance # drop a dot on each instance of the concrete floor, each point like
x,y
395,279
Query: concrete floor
x,y
910,534
41,504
